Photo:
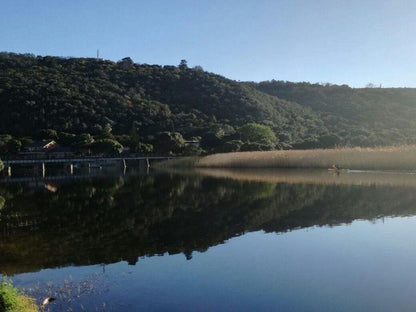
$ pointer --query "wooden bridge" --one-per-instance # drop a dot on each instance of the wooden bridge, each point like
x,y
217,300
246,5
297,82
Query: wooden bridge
x,y
86,160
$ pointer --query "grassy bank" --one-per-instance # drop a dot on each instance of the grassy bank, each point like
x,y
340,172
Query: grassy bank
x,y
382,158
12,300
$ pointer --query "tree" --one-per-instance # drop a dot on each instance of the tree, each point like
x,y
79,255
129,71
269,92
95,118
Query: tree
x,y
9,145
4,142
143,148
67,139
329,140
84,140
106,133
258,135
232,146
47,134
125,140
125,62
198,68
169,142
183,64
14,146
107,146
1,166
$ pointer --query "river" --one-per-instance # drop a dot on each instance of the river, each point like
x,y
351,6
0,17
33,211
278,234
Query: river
x,y
213,240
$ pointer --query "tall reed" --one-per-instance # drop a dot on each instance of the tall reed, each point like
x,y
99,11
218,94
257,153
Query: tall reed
x,y
380,158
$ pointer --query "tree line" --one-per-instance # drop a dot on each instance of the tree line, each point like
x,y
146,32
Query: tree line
x,y
105,106
147,107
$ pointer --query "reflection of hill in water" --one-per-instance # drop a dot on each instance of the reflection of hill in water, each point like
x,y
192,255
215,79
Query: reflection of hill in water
x,y
108,221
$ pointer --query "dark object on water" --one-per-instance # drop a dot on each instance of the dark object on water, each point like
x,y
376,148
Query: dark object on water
x,y
46,301
335,167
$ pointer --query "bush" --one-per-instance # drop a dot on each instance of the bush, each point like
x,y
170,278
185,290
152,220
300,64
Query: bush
x,y
143,148
11,300
232,146
9,296
169,142
254,134
107,146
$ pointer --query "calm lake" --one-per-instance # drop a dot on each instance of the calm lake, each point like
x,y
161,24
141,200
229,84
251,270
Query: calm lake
x,y
213,240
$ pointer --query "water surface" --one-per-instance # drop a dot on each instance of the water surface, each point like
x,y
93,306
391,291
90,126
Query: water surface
x,y
213,241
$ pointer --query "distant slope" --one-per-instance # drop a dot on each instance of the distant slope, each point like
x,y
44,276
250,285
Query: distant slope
x,y
86,95
83,95
367,116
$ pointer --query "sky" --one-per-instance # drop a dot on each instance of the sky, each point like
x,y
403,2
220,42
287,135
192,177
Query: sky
x,y
352,42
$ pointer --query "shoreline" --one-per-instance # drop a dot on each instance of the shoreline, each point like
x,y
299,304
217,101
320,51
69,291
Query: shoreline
x,y
14,300
400,158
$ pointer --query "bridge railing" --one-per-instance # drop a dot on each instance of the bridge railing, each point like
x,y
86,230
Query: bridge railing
x,y
81,159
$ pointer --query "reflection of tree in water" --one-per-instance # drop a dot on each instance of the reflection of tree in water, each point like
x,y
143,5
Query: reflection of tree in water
x,y
108,221
2,200
70,294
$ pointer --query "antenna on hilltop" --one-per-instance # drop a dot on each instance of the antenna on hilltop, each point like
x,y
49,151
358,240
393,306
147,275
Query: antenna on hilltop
x,y
98,53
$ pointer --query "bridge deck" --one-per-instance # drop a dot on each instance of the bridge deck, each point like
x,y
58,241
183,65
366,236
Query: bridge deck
x,y
79,160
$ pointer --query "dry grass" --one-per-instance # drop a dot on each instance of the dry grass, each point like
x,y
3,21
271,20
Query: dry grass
x,y
381,158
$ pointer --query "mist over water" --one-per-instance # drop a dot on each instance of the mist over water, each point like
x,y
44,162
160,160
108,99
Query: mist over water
x,y
213,240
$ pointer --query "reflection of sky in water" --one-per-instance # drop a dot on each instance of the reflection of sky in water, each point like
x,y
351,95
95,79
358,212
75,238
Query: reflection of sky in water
x,y
358,267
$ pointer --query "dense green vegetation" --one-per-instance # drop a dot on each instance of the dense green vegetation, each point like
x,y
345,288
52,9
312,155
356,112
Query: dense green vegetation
x,y
152,108
67,98
11,300
354,117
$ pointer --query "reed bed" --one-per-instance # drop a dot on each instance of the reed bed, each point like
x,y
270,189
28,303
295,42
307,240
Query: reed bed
x,y
380,158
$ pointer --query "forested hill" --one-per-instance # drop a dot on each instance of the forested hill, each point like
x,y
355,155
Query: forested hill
x,y
155,108
358,117
86,95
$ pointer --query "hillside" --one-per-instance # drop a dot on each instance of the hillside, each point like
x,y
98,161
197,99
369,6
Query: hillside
x,y
85,95
152,108
357,117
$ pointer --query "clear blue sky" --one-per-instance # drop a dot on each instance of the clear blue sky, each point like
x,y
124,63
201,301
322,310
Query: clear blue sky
x,y
338,41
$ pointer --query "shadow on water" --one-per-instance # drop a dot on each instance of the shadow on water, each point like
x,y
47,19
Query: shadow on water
x,y
125,218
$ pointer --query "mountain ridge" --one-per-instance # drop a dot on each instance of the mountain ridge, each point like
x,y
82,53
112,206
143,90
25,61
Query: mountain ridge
x,y
140,101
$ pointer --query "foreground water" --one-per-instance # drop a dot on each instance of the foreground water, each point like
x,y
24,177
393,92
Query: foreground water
x,y
213,241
